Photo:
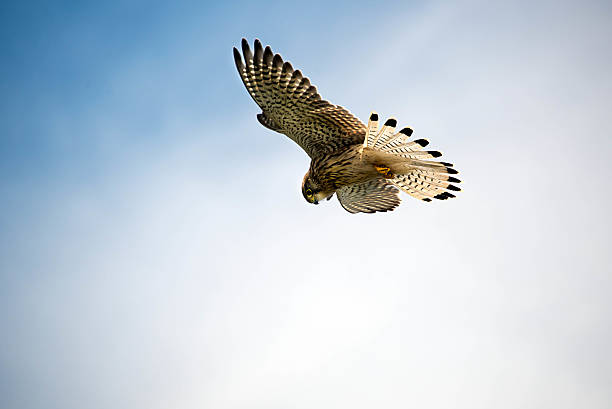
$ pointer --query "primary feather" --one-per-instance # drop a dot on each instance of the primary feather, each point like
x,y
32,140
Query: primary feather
x,y
292,106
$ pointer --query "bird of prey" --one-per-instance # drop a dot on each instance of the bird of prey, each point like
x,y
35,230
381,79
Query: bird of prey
x,y
362,165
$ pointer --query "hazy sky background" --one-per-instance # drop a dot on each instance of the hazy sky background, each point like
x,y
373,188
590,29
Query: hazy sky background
x,y
156,251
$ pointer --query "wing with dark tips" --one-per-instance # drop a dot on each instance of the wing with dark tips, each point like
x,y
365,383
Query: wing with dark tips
x,y
292,106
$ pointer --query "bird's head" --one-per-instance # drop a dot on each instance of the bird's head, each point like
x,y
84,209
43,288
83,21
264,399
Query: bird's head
x,y
311,192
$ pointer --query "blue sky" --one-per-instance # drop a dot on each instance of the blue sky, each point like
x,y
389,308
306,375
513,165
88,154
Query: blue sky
x,y
155,249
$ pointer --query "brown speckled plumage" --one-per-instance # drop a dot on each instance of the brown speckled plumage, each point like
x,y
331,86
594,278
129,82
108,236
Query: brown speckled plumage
x,y
364,166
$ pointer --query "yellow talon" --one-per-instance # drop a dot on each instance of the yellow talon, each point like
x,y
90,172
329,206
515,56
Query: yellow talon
x,y
383,170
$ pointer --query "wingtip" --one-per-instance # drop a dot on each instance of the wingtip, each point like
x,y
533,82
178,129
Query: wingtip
x,y
246,50
277,61
373,116
238,59
258,47
268,55
287,67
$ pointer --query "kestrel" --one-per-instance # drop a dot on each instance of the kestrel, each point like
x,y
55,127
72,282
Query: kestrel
x,y
363,166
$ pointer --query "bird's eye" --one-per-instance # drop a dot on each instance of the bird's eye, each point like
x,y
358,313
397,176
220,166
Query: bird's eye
x,y
308,192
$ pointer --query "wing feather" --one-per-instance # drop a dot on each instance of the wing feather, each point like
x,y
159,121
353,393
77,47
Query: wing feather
x,y
291,105
369,197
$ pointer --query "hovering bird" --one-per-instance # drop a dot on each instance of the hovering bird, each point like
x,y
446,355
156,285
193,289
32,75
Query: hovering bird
x,y
363,166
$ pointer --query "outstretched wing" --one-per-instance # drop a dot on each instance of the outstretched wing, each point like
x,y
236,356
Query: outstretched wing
x,y
292,106
369,197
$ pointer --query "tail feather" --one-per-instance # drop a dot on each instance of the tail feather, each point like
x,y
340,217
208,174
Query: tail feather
x,y
377,139
414,183
436,167
411,146
385,133
412,170
411,189
428,182
433,179
417,154
372,130
420,188
397,140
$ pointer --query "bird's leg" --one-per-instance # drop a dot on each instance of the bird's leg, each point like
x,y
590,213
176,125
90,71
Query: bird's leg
x,y
384,170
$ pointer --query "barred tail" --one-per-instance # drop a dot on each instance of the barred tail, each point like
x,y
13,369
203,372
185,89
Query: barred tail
x,y
411,170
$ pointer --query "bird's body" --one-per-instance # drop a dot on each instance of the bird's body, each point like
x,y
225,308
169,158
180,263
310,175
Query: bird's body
x,y
362,165
353,164
339,169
